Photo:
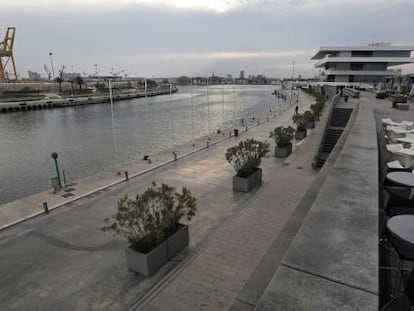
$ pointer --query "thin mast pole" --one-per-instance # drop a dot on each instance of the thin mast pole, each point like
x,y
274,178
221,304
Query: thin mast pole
x,y
291,85
112,121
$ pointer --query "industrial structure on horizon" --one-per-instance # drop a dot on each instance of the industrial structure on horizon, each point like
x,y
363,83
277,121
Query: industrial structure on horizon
x,y
6,55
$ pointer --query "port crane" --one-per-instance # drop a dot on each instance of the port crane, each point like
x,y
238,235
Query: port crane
x,y
116,74
48,72
6,54
61,71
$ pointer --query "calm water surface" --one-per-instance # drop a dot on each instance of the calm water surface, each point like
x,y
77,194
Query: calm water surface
x,y
88,141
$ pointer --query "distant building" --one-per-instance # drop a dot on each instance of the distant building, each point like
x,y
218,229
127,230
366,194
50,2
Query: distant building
x,y
34,76
367,64
70,76
242,74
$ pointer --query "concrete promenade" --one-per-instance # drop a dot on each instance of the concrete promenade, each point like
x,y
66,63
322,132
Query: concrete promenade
x,y
303,240
63,261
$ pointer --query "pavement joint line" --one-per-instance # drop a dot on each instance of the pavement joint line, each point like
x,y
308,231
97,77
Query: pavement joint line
x,y
152,292
329,279
20,220
245,302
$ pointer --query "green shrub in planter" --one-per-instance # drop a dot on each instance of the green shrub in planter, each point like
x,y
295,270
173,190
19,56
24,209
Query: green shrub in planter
x,y
317,108
246,156
282,135
151,217
300,121
308,116
310,119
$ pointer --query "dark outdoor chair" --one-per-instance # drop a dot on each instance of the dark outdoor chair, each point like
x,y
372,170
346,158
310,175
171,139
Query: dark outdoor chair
x,y
405,251
398,202
401,303
395,201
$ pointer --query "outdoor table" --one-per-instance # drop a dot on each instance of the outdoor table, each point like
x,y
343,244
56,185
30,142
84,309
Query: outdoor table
x,y
409,152
399,130
404,179
408,156
406,140
402,227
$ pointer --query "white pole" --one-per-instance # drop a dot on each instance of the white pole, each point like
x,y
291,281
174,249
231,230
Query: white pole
x,y
112,121
234,103
222,109
291,85
208,110
145,87
192,113
172,117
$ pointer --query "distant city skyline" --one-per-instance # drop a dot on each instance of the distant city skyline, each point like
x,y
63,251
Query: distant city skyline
x,y
155,38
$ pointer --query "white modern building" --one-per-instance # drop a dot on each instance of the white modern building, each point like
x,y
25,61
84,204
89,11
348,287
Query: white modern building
x,y
364,64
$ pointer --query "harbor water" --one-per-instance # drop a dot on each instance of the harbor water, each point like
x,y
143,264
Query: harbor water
x,y
92,138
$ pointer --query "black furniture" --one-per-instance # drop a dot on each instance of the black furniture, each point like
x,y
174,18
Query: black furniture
x,y
401,236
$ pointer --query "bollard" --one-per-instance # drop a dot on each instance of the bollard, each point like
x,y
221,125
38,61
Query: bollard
x,y
246,128
175,156
208,144
229,134
258,122
45,208
126,176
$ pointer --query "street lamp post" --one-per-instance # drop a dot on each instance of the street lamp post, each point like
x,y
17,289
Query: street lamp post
x,y
55,156
51,63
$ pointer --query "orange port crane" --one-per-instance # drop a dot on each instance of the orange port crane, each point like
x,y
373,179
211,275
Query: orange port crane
x,y
6,54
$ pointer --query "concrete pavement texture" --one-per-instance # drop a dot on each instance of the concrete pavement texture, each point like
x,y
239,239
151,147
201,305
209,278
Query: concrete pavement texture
x,y
63,261
332,264
247,251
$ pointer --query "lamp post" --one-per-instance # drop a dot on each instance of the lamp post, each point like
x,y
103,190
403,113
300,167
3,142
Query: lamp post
x,y
55,156
51,63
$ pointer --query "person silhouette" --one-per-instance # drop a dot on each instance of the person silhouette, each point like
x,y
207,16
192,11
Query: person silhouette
x,y
296,109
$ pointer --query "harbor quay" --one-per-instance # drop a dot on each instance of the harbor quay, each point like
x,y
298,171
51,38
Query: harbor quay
x,y
62,102
303,232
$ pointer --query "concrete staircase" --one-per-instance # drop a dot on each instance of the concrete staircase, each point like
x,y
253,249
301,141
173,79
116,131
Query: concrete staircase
x,y
336,124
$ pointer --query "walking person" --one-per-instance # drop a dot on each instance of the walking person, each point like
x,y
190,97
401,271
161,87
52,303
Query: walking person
x,y
296,109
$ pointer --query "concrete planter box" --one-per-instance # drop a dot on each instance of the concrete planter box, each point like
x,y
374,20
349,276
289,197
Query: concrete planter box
x,y
283,152
178,241
300,135
245,184
147,264
310,125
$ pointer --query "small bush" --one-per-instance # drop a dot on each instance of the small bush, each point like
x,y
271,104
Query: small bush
x,y
300,121
246,156
151,217
308,116
282,135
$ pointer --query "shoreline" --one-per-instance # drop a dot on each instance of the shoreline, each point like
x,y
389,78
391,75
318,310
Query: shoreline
x,y
29,105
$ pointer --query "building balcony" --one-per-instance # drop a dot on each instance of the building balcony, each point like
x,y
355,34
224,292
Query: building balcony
x,y
341,72
391,61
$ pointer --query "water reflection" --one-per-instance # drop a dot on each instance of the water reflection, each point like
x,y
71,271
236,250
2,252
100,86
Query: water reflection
x,y
83,137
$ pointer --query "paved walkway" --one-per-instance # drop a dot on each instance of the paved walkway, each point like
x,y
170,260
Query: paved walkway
x,y
64,261
32,206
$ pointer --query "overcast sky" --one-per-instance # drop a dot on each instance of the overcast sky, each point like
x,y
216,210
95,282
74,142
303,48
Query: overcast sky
x,y
153,38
